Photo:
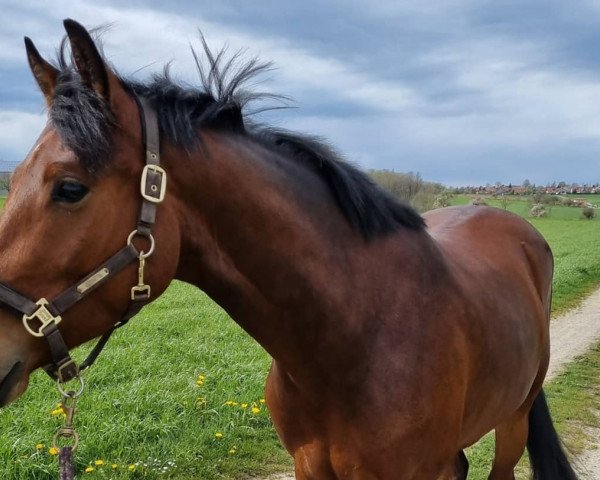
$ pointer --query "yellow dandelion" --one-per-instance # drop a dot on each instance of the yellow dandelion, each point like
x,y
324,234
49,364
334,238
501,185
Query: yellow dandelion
x,y
218,435
53,451
244,405
229,402
39,446
89,469
115,466
131,468
262,400
232,451
200,401
57,412
255,410
99,463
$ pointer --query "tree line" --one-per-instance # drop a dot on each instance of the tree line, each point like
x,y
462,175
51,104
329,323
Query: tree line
x,y
412,189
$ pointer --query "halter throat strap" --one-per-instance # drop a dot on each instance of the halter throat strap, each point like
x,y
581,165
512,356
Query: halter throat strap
x,y
48,313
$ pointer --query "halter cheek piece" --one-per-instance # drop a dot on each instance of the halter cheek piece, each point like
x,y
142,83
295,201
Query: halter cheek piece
x,y
48,313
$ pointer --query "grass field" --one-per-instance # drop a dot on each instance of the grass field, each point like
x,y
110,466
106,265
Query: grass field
x,y
177,393
594,199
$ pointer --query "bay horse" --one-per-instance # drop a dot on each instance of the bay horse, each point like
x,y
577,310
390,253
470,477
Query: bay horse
x,y
397,340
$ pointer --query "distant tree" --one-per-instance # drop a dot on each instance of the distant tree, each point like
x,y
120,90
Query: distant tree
x,y
4,182
504,201
410,188
526,183
405,186
442,199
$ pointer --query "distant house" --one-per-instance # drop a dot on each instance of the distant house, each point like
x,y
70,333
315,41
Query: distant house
x,y
499,189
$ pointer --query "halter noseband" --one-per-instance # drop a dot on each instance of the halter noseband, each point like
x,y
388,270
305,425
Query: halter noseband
x,y
48,313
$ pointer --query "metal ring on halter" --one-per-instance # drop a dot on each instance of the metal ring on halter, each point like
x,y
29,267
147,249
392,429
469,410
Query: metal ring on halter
x,y
66,433
72,393
148,236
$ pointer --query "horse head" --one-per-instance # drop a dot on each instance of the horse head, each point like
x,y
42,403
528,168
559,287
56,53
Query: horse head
x,y
73,202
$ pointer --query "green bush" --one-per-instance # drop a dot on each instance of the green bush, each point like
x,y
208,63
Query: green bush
x,y
588,213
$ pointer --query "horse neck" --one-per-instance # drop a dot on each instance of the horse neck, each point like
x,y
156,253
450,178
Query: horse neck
x,y
269,245
245,242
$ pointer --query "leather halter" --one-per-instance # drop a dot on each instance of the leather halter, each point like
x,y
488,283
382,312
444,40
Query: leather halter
x,y
48,313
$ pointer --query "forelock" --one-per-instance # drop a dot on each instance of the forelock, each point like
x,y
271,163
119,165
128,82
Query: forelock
x,y
83,120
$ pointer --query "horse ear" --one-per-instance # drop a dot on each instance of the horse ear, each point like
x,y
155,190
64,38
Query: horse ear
x,y
44,73
87,58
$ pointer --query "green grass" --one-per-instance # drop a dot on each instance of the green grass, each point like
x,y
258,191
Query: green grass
x,y
574,244
143,404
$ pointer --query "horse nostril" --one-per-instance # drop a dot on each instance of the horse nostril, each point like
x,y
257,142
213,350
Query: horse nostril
x,y
9,381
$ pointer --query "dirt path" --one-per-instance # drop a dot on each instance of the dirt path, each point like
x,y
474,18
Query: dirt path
x,y
574,333
571,334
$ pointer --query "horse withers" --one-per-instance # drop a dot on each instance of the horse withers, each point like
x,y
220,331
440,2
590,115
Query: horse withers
x,y
397,340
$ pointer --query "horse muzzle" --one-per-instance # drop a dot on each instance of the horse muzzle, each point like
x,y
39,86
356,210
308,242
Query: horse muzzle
x,y
8,383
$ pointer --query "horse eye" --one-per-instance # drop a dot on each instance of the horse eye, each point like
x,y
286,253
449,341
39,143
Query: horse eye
x,y
69,191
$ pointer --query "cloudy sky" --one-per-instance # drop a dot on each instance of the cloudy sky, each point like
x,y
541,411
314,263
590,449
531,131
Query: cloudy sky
x,y
462,91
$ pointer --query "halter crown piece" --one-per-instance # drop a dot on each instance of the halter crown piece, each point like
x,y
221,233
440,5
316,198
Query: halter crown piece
x,y
47,314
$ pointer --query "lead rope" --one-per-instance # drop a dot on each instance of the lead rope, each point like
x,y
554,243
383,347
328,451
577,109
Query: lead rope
x,y
65,460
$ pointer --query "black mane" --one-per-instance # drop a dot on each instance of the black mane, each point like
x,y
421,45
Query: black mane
x,y
85,123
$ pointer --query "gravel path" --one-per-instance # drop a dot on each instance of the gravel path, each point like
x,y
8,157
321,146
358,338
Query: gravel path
x,y
574,333
571,334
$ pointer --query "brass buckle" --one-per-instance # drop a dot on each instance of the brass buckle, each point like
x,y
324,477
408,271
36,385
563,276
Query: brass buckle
x,y
157,194
43,315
